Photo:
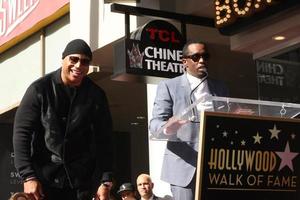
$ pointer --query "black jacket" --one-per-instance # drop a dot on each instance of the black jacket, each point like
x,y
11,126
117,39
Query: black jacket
x,y
62,136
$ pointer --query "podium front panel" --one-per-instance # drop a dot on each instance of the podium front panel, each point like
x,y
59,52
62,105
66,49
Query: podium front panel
x,y
248,157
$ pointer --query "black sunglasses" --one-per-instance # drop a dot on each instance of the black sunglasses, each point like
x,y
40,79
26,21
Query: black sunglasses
x,y
196,57
84,61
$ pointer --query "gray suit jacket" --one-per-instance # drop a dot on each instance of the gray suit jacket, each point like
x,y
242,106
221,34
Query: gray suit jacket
x,y
180,158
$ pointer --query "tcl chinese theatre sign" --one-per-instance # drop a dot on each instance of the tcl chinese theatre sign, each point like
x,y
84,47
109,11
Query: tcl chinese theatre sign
x,y
155,49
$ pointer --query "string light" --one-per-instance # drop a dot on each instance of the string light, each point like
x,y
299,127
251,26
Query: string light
x,y
223,12
278,37
227,11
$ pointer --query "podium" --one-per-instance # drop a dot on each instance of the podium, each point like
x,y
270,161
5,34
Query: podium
x,y
248,149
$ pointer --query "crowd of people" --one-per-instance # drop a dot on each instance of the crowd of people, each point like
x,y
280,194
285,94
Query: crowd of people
x,y
143,190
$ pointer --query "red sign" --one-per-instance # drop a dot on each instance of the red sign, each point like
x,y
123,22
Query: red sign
x,y
163,35
20,16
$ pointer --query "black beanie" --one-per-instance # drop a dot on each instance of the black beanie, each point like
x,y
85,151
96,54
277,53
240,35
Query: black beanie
x,y
77,46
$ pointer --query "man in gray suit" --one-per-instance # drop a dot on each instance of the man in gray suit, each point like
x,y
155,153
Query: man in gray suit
x,y
173,96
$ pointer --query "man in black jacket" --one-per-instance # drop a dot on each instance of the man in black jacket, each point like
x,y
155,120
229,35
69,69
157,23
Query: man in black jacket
x,y
62,131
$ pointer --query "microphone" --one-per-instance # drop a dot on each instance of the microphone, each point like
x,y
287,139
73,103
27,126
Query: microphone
x,y
205,72
205,75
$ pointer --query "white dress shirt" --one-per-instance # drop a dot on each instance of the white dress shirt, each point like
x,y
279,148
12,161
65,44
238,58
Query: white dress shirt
x,y
201,93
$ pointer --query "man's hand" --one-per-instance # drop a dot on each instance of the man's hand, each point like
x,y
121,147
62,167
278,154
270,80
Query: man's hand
x,y
103,191
34,189
173,125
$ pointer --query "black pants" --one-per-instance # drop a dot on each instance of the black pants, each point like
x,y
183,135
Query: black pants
x,y
66,194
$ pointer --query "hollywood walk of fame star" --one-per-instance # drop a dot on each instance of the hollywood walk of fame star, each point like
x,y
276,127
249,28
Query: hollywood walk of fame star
x,y
243,142
286,157
274,132
224,134
257,138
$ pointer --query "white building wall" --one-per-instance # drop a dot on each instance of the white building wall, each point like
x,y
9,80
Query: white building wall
x,y
19,66
80,17
22,64
94,22
56,38
156,151
112,25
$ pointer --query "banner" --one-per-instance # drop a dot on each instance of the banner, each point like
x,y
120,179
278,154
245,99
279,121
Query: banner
x,y
17,17
248,158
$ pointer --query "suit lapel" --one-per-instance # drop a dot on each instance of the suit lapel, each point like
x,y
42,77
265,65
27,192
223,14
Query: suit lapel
x,y
211,87
185,88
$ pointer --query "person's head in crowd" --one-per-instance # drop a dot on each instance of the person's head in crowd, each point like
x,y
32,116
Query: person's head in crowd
x,y
127,192
145,186
195,58
19,196
107,179
104,191
76,60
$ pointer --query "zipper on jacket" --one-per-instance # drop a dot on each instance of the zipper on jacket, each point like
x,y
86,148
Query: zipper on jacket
x,y
66,131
